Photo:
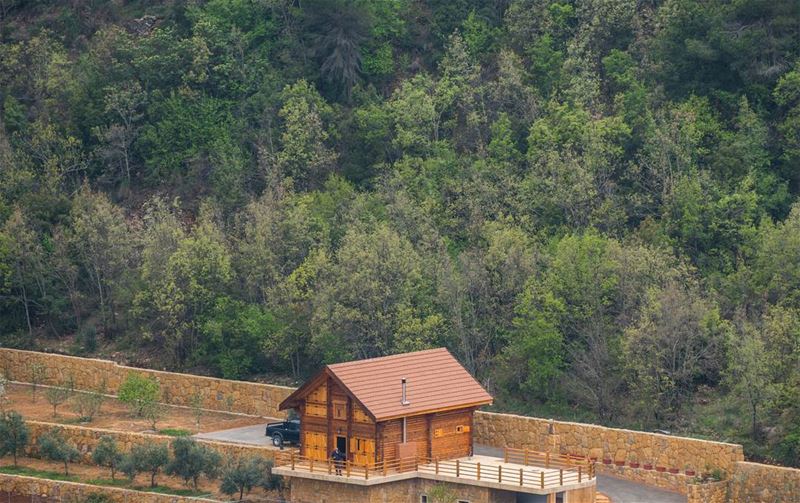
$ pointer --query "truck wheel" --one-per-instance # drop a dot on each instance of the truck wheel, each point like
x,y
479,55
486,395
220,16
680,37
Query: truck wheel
x,y
277,440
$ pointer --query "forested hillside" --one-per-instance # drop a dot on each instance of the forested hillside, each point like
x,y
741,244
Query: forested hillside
x,y
592,203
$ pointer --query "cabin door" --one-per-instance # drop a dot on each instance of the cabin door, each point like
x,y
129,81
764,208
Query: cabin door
x,y
315,446
362,451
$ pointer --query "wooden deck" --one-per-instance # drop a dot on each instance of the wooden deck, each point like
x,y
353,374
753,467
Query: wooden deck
x,y
519,471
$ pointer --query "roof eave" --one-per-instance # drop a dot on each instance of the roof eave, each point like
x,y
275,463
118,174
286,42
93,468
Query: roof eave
x,y
471,405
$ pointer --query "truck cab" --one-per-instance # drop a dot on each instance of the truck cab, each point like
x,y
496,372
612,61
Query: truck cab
x,y
284,431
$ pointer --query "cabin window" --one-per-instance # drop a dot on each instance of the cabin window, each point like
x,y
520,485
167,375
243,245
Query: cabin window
x,y
423,498
438,432
462,429
339,410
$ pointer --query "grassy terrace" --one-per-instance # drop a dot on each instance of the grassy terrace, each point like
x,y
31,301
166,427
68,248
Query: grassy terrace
x,y
122,483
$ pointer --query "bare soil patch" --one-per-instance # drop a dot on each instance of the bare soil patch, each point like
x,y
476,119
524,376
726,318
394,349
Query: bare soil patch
x,y
114,415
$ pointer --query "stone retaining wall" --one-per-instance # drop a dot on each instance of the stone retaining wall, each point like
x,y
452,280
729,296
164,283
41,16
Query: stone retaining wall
x,y
757,483
675,482
601,443
709,492
73,492
177,389
86,439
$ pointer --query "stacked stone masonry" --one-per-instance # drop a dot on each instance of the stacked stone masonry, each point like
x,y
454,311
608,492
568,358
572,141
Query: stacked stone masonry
x,y
610,444
757,483
67,492
712,492
406,491
675,482
177,389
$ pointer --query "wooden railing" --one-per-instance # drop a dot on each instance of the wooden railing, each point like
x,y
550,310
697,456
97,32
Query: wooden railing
x,y
546,470
295,461
547,460
503,474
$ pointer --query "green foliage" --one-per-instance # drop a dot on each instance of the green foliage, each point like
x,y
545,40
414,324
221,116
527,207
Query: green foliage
x,y
57,395
241,475
87,404
148,458
190,460
53,446
107,454
14,435
139,393
554,190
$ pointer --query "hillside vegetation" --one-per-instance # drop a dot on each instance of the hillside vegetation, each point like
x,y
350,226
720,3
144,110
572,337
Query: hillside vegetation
x,y
592,203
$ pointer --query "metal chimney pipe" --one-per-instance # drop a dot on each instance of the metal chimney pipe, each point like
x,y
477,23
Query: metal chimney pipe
x,y
404,400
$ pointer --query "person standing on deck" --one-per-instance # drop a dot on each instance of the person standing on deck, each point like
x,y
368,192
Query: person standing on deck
x,y
337,457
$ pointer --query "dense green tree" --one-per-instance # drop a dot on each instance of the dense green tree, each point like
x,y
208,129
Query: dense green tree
x,y
190,460
107,454
53,446
14,435
258,187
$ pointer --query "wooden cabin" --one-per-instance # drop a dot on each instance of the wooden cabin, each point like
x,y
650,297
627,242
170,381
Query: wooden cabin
x,y
380,409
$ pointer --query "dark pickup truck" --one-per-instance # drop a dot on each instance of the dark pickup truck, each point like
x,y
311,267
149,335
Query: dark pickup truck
x,y
285,431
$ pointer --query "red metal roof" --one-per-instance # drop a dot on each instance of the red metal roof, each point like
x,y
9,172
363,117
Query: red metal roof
x,y
435,381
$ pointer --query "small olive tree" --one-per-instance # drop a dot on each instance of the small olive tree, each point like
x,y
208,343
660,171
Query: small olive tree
x,y
38,372
53,446
242,475
56,396
190,460
13,435
139,392
107,454
88,404
148,458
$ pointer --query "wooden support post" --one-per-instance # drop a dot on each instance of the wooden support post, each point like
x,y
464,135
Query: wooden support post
x,y
521,477
505,454
347,467
437,466
292,460
458,468
542,479
366,471
561,477
384,468
479,471
312,465
499,474
525,457
547,460
580,469
330,466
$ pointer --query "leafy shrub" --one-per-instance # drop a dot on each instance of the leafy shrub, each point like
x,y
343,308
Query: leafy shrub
x,y
53,446
13,435
139,393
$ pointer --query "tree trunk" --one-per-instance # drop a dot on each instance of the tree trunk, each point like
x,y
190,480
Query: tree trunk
x,y
66,468
27,310
153,479
241,493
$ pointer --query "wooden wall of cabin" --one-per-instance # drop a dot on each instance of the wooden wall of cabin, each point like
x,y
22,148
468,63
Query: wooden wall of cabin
x,y
391,435
443,435
328,412
451,434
